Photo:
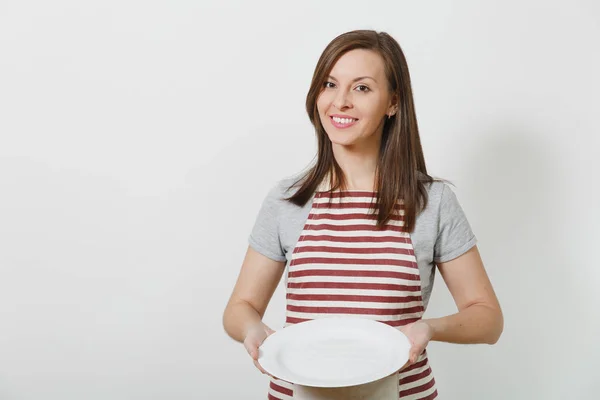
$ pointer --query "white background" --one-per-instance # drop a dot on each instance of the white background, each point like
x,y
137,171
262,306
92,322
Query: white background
x,y
138,139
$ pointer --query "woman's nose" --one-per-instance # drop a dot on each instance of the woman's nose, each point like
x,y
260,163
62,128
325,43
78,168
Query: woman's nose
x,y
342,100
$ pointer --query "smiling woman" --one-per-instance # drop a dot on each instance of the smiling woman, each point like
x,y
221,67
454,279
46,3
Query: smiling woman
x,y
359,102
364,229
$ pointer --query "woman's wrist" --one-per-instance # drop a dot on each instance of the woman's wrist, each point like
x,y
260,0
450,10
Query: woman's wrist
x,y
474,324
434,327
252,326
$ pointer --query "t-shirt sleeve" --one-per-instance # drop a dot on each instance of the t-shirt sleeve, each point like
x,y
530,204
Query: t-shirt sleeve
x,y
264,237
455,236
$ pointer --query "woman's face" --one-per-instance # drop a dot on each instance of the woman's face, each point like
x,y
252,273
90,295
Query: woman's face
x,y
355,99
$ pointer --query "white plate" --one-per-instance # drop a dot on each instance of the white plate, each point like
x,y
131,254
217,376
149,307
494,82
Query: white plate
x,y
334,352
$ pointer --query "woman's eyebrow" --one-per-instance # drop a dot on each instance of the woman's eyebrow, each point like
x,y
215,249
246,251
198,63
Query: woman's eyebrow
x,y
360,78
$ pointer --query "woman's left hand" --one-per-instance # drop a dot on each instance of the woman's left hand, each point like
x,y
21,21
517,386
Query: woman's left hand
x,y
419,333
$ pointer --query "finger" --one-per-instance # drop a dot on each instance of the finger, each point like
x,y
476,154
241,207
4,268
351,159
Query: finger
x,y
261,369
247,347
252,350
257,365
415,353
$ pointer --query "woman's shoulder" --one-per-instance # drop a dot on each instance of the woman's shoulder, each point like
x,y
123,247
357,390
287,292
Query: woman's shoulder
x,y
282,188
436,188
280,191
439,192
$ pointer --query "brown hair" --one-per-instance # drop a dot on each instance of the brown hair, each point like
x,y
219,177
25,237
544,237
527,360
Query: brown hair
x,y
401,172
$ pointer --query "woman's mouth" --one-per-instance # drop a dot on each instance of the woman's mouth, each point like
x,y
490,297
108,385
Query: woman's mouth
x,y
342,123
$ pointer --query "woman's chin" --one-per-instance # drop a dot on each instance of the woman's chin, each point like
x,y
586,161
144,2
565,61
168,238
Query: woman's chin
x,y
340,140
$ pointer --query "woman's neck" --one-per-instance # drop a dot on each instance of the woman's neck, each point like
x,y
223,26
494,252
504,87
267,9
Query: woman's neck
x,y
359,167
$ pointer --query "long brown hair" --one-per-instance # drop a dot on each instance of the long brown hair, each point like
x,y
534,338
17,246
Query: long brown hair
x,y
401,173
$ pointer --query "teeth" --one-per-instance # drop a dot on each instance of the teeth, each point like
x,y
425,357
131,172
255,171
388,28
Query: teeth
x,y
343,120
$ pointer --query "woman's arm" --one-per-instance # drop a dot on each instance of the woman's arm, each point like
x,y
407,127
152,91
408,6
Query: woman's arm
x,y
256,283
479,318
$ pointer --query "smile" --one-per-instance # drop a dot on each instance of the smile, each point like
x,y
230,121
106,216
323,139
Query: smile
x,y
342,122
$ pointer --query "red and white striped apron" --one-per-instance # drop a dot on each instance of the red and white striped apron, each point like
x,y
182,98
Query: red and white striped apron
x,y
343,265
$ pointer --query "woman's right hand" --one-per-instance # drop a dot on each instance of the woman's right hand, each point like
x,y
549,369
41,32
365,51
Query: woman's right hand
x,y
255,336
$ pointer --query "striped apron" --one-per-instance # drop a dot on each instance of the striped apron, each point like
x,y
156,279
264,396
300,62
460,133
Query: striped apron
x,y
343,265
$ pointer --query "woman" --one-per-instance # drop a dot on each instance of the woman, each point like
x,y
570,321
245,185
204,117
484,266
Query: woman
x,y
364,229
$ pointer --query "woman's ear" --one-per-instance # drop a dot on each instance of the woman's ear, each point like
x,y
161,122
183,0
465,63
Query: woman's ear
x,y
393,108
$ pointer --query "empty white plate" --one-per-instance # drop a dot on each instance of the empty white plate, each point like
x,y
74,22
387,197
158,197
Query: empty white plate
x,y
334,352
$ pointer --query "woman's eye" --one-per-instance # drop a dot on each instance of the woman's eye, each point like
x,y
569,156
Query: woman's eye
x,y
362,88
329,85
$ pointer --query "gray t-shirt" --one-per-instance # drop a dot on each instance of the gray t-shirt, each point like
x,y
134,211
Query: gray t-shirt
x,y
442,231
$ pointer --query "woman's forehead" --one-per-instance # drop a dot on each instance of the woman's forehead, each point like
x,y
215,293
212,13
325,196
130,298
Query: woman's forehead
x,y
358,63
